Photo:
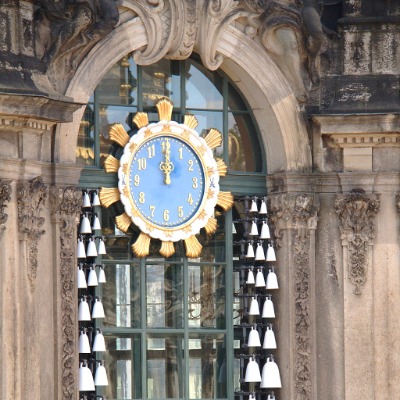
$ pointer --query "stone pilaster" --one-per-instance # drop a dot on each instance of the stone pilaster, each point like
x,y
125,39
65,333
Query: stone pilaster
x,y
294,219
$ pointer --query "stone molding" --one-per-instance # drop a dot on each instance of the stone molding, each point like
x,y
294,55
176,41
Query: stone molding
x,y
5,195
356,212
31,197
298,213
66,206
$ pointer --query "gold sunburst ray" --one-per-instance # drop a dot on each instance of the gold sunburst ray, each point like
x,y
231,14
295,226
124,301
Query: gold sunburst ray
x,y
119,135
141,119
213,138
225,200
142,245
193,247
111,164
167,249
108,196
222,167
123,222
211,225
164,107
191,121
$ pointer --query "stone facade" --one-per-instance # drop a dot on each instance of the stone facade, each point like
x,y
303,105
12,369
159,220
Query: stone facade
x,y
322,80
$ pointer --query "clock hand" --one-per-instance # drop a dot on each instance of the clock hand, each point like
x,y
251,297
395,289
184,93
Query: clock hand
x,y
167,166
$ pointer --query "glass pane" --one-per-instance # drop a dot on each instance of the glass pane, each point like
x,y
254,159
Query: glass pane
x,y
159,80
203,88
165,367
121,296
119,85
164,297
235,101
123,366
85,145
244,150
207,367
206,297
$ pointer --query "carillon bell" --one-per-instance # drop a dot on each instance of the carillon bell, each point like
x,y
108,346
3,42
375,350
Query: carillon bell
x,y
252,371
80,249
250,250
102,247
86,383
260,256
269,341
92,278
85,225
99,342
254,308
270,253
268,308
84,346
263,208
254,338
254,229
98,310
272,280
81,279
252,396
96,223
265,233
250,277
91,248
83,310
270,374
100,377
102,275
233,229
253,207
95,199
260,281
86,200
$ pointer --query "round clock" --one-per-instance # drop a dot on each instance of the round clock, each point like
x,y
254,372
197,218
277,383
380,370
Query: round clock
x,y
168,181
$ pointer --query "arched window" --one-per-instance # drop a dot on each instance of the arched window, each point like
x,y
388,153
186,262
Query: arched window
x,y
169,322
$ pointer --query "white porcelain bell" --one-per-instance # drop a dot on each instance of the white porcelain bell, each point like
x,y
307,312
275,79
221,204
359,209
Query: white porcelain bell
x,y
96,223
83,310
80,249
102,275
102,247
84,346
91,248
81,279
254,338
259,252
268,309
95,200
272,280
250,277
252,396
86,383
253,207
269,341
254,308
100,377
99,343
265,232
263,208
233,228
270,375
250,250
270,253
254,229
252,372
86,200
92,278
260,281
98,310
85,225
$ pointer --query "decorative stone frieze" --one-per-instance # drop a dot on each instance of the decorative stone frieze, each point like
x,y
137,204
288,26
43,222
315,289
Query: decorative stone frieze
x,y
66,205
356,213
31,197
5,195
297,215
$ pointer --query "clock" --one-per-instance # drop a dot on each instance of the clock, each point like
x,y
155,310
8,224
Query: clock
x,y
168,181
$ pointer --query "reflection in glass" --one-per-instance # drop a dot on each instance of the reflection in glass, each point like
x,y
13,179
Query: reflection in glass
x,y
165,367
207,366
85,145
164,296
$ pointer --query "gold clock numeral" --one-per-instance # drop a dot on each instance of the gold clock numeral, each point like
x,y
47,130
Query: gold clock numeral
x,y
142,163
180,153
190,162
151,151
180,211
152,210
190,199
141,198
166,215
195,184
136,180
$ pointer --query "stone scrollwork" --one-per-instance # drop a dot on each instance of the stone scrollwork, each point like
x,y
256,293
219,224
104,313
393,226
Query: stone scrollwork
x,y
5,195
31,197
298,213
66,205
356,213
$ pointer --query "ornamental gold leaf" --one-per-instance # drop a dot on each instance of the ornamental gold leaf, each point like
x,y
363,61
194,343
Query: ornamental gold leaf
x,y
141,119
167,249
123,222
142,245
190,121
211,225
202,214
213,138
202,149
108,196
147,133
119,135
164,107
221,167
187,229
193,247
225,200
111,164
132,147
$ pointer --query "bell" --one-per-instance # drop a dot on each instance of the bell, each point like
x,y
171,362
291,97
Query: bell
x,y
96,223
260,281
102,275
263,208
85,225
260,252
102,247
83,310
250,251
269,341
253,207
91,248
84,346
95,200
233,228
92,278
80,249
81,279
272,280
86,383
99,342
270,374
100,377
254,229
252,396
270,254
86,200
252,372
265,233
250,277
271,396
254,338
268,308
254,308
98,310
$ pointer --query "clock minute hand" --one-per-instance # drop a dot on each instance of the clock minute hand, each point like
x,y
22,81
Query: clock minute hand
x,y
167,166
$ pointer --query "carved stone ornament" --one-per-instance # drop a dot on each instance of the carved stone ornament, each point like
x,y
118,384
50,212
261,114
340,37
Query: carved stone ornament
x,y
356,212
31,197
5,195
298,213
66,204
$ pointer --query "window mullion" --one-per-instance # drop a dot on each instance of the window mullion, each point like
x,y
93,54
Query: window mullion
x,y
225,121
186,325
143,321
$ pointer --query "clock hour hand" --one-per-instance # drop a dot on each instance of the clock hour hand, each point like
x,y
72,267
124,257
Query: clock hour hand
x,y
167,166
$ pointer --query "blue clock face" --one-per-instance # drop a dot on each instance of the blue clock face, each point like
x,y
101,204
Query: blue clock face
x,y
166,181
